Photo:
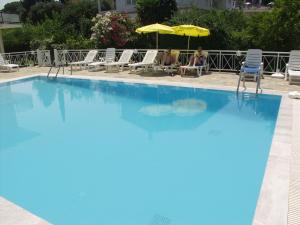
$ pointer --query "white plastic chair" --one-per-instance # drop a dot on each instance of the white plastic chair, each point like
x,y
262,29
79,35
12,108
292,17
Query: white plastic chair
x,y
110,55
5,66
292,71
90,57
123,60
252,66
147,62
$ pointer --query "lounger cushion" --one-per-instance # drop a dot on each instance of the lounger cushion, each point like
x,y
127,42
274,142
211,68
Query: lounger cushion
x,y
97,63
191,67
115,64
11,65
141,64
294,73
77,63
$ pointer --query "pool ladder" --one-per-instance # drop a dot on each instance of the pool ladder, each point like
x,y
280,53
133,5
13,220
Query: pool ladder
x,y
242,77
58,69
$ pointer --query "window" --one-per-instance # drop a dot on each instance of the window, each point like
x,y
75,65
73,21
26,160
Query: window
x,y
130,2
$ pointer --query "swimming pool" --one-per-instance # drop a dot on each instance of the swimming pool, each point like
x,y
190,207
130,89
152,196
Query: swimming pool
x,y
83,152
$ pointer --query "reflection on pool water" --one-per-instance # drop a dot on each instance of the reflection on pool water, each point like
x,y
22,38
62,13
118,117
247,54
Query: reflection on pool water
x,y
96,152
184,107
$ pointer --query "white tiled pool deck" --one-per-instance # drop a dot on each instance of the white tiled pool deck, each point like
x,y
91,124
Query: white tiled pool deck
x,y
279,200
11,214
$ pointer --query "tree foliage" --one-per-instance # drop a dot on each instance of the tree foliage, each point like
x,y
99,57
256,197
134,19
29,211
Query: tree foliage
x,y
225,32
64,24
155,11
278,29
43,10
14,8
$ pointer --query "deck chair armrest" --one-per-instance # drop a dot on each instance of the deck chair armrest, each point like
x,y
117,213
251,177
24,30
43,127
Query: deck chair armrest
x,y
286,71
243,64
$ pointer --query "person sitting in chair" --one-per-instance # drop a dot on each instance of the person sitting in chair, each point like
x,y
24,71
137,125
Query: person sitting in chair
x,y
198,59
167,58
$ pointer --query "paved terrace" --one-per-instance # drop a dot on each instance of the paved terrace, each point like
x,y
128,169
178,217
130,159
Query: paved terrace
x,y
282,176
210,79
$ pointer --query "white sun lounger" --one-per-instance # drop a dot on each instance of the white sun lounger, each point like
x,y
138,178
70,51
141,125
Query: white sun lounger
x,y
5,66
253,66
110,55
90,57
292,72
123,60
199,69
148,61
170,69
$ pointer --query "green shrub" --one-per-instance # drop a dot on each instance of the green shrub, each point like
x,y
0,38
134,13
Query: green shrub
x,y
111,30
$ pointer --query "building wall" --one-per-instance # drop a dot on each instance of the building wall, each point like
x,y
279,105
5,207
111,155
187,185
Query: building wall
x,y
129,5
125,5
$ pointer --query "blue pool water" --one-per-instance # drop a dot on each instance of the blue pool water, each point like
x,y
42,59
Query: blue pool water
x,y
80,152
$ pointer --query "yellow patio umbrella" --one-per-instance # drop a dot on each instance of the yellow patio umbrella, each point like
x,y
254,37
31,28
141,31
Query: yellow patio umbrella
x,y
190,31
157,28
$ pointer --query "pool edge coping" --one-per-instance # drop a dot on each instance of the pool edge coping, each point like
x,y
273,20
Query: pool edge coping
x,y
12,214
265,212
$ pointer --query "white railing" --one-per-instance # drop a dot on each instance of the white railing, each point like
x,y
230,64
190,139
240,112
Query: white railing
x,y
29,58
219,60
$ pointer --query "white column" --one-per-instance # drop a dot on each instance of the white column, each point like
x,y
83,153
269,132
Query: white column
x,y
1,43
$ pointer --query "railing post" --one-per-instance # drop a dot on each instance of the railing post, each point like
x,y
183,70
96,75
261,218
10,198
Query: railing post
x,y
220,59
277,63
26,60
47,58
39,57
56,58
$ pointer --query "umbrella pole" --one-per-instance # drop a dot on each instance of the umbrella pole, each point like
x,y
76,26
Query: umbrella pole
x,y
156,40
189,42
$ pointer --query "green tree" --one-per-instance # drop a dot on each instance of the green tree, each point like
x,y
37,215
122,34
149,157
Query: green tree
x,y
27,4
240,3
278,29
42,10
266,2
155,11
13,7
79,16
226,33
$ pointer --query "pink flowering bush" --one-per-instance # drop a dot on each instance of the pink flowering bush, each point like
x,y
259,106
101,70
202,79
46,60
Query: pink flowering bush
x,y
111,30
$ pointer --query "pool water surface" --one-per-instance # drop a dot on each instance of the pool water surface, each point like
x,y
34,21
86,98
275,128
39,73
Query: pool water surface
x,y
82,152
